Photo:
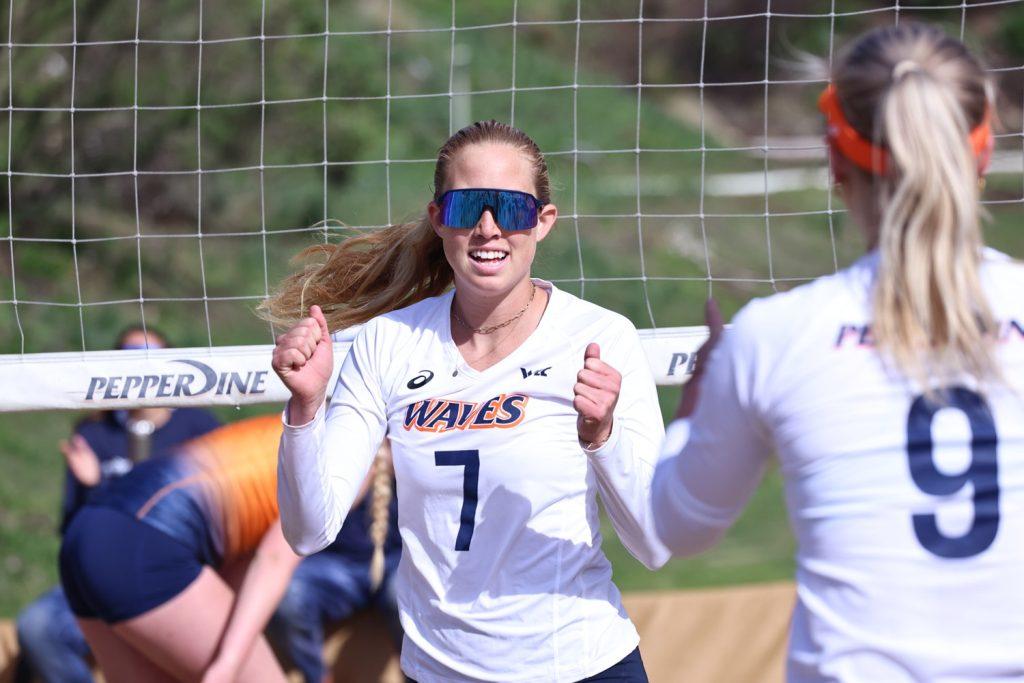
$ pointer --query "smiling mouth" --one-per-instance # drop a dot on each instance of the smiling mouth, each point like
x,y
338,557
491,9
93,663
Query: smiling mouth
x,y
488,255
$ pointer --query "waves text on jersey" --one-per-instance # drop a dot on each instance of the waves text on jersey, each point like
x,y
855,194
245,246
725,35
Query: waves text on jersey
x,y
443,415
176,384
860,335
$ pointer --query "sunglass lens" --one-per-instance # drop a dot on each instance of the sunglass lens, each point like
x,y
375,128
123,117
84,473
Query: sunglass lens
x,y
516,211
461,209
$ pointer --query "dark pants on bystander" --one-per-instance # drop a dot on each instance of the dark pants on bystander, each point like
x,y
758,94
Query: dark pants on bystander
x,y
326,588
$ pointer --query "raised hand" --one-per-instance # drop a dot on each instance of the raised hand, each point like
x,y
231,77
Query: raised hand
x,y
595,394
303,359
713,319
81,459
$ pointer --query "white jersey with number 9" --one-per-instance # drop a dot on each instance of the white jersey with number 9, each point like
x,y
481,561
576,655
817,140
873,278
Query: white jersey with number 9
x,y
909,514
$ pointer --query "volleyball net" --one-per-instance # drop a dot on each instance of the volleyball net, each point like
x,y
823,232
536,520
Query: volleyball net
x,y
164,164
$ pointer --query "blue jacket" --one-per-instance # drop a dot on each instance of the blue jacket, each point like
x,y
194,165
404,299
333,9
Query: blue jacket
x,y
107,434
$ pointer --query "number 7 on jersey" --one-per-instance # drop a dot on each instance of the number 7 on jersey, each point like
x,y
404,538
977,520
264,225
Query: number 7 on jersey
x,y
470,477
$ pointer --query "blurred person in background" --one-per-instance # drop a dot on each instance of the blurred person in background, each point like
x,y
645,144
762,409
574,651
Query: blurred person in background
x,y
174,570
105,446
890,393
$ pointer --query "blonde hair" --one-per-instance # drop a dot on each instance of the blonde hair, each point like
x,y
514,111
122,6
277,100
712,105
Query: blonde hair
x,y
918,93
380,511
383,270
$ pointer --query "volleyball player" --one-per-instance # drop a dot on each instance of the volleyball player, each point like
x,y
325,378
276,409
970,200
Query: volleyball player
x,y
509,404
174,569
890,393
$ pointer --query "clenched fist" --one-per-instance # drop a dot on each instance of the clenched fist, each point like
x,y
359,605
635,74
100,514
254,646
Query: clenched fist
x,y
303,359
595,394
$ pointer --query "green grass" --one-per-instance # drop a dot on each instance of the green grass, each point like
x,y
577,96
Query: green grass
x,y
30,493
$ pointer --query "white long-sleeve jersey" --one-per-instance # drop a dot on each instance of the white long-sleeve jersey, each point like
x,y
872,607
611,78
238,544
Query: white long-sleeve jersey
x,y
909,516
502,576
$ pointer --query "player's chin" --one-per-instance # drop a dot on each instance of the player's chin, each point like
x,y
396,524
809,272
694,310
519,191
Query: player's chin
x,y
485,280
489,283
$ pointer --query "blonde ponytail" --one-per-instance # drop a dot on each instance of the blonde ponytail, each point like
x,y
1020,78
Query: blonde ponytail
x,y
363,276
931,314
380,512
918,93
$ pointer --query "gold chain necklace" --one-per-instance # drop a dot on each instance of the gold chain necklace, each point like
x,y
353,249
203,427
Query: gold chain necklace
x,y
493,328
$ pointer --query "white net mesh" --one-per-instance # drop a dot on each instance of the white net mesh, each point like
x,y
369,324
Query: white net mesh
x,y
164,161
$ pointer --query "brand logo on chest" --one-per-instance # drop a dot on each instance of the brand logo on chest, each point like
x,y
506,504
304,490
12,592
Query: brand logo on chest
x,y
443,415
421,379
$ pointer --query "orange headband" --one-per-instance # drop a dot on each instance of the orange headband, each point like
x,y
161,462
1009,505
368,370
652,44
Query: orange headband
x,y
874,159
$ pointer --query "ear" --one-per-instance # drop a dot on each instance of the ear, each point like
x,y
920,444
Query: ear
x,y
546,220
434,214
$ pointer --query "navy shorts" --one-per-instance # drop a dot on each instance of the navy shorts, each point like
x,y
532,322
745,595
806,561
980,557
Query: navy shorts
x,y
115,567
630,669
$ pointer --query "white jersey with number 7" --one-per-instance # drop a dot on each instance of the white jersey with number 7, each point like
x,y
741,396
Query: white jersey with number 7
x,y
502,576
909,516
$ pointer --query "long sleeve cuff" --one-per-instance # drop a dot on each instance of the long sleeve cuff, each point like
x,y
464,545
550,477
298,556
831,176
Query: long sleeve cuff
x,y
606,449
624,482
286,418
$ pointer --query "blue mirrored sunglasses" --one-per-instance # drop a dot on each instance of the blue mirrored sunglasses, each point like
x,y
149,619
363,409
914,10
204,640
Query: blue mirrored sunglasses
x,y
512,210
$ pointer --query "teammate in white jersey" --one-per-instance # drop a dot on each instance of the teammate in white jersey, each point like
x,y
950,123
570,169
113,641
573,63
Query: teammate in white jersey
x,y
509,404
890,393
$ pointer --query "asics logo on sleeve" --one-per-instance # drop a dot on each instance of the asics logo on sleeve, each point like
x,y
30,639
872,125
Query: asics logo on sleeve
x,y
420,379
504,411
535,373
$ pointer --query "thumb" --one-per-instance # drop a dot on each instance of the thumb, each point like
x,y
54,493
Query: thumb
x,y
593,351
318,315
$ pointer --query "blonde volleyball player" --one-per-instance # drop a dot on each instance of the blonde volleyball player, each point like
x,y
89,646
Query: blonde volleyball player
x,y
890,393
509,404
